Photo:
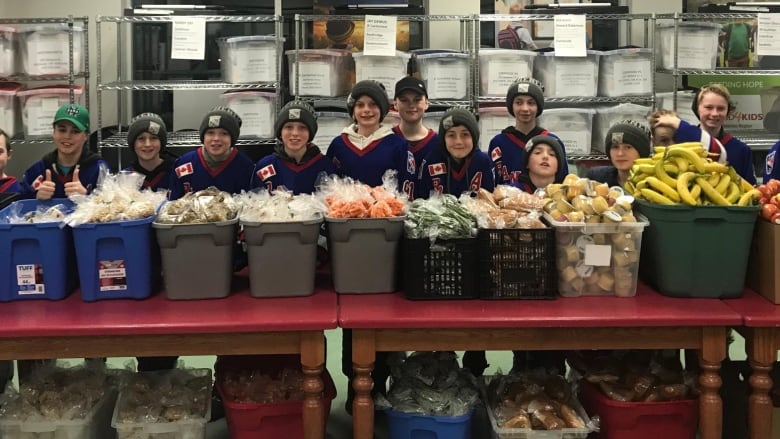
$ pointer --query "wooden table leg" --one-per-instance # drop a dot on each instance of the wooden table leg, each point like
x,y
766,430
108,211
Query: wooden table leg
x,y
761,350
363,357
712,353
312,361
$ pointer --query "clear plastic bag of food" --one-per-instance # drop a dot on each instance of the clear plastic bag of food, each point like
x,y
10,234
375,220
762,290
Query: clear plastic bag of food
x,y
207,206
349,198
43,214
439,217
279,206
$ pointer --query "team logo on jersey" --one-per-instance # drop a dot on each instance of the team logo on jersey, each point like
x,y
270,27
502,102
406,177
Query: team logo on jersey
x,y
496,154
410,165
476,182
154,128
185,169
266,172
214,121
37,182
770,162
437,169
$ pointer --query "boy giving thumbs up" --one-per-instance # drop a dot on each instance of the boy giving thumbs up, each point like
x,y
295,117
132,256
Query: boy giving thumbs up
x,y
71,168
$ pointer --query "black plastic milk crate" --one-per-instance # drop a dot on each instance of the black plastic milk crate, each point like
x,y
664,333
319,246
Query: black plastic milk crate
x,y
446,269
517,264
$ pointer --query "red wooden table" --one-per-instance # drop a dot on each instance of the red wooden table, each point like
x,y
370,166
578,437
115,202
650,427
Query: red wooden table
x,y
388,322
238,324
761,329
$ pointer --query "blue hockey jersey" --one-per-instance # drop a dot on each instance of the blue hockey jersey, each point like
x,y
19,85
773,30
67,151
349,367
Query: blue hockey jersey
x,y
738,155
10,185
507,150
420,148
89,170
277,170
191,173
440,173
157,178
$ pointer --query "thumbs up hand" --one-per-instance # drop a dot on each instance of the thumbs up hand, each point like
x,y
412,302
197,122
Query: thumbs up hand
x,y
74,186
46,188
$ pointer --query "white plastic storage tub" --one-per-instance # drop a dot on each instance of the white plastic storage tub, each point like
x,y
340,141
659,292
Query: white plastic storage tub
x,y
8,120
8,45
626,72
330,124
574,126
492,120
40,104
498,68
45,50
248,59
257,110
385,69
323,72
697,42
665,100
565,77
607,116
445,74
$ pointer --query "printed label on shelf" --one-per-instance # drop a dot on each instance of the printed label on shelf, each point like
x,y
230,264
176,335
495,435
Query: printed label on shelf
x,y
577,142
570,36
768,35
598,255
314,79
112,275
188,39
631,76
29,279
387,72
446,81
379,35
575,78
501,74
40,113
256,115
47,53
253,62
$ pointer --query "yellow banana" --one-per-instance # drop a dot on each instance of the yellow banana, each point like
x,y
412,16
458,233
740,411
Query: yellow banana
x,y
745,186
655,197
682,164
723,184
713,179
749,196
687,145
644,169
660,173
641,185
711,193
657,156
682,188
716,167
643,161
630,187
690,155
696,193
733,193
664,188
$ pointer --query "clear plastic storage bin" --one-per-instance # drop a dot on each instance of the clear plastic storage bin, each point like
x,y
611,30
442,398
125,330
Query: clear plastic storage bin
x,y
445,74
626,72
323,72
257,110
565,77
39,105
606,116
248,59
46,49
665,100
329,125
492,120
8,47
498,68
8,114
385,69
697,42
574,126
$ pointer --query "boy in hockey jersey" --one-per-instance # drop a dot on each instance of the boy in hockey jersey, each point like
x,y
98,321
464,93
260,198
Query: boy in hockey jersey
x,y
625,142
543,163
524,101
411,101
770,170
147,138
8,184
296,163
368,148
217,162
457,166
71,169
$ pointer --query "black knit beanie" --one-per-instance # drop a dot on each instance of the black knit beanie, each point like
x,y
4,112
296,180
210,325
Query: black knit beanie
x,y
459,116
554,143
225,118
296,111
525,86
631,132
150,123
373,89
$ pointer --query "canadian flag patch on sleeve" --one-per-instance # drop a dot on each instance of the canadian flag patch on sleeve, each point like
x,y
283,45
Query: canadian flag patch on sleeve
x,y
437,169
37,182
266,172
185,169
496,154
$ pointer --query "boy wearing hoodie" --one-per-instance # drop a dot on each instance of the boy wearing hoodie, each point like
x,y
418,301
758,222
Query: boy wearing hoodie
x,y
147,138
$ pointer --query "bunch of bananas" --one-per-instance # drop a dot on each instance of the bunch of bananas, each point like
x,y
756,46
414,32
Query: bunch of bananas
x,y
683,174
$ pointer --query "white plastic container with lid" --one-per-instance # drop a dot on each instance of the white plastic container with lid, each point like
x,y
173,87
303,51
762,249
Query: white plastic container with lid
x,y
8,120
248,58
574,126
626,72
492,120
684,111
385,69
606,116
330,124
45,50
257,110
323,72
697,42
39,105
445,74
498,68
8,44
565,77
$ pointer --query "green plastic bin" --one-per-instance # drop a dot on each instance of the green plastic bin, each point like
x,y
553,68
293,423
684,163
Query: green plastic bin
x,y
696,251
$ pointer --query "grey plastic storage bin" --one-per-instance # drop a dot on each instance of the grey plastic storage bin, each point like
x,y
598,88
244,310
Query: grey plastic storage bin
x,y
363,253
282,257
197,259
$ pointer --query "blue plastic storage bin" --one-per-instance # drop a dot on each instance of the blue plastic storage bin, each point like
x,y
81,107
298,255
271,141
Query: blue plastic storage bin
x,y
117,260
36,260
414,426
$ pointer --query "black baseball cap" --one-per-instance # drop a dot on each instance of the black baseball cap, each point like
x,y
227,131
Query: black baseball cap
x,y
410,83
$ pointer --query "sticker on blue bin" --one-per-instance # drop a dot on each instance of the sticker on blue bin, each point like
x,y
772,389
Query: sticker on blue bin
x,y
29,279
113,276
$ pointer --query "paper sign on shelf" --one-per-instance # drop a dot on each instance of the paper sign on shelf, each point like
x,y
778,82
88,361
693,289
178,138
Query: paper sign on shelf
x,y
379,35
768,35
570,36
188,40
